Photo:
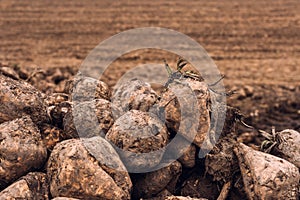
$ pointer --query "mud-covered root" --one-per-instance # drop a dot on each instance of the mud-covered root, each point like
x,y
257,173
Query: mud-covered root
x,y
87,89
200,90
225,191
92,118
21,149
171,109
266,176
182,150
140,138
185,102
32,186
18,98
150,184
58,107
101,173
288,146
232,116
134,95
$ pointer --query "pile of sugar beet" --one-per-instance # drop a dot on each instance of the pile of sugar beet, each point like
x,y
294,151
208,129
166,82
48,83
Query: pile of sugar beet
x,y
43,157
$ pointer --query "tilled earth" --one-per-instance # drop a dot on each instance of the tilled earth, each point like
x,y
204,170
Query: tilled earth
x,y
255,44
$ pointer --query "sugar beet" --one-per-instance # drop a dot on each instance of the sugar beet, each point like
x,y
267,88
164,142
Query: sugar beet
x,y
266,176
139,137
18,98
32,186
21,149
93,179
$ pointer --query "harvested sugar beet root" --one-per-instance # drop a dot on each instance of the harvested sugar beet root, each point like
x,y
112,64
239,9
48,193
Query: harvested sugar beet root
x,y
21,149
17,98
86,121
139,123
134,95
32,186
266,176
135,133
94,179
284,144
86,89
197,96
221,162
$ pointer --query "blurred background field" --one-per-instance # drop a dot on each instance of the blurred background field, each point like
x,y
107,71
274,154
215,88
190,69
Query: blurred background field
x,y
256,44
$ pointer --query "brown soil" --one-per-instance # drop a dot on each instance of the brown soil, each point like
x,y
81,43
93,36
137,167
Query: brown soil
x,y
255,44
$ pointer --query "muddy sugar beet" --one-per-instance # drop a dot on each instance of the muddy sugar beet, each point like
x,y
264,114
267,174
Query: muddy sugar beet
x,y
73,171
139,136
176,120
32,186
83,115
266,176
18,98
22,149
134,95
86,89
288,146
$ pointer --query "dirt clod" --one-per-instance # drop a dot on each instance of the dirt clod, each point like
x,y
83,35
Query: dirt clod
x,y
200,186
150,184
